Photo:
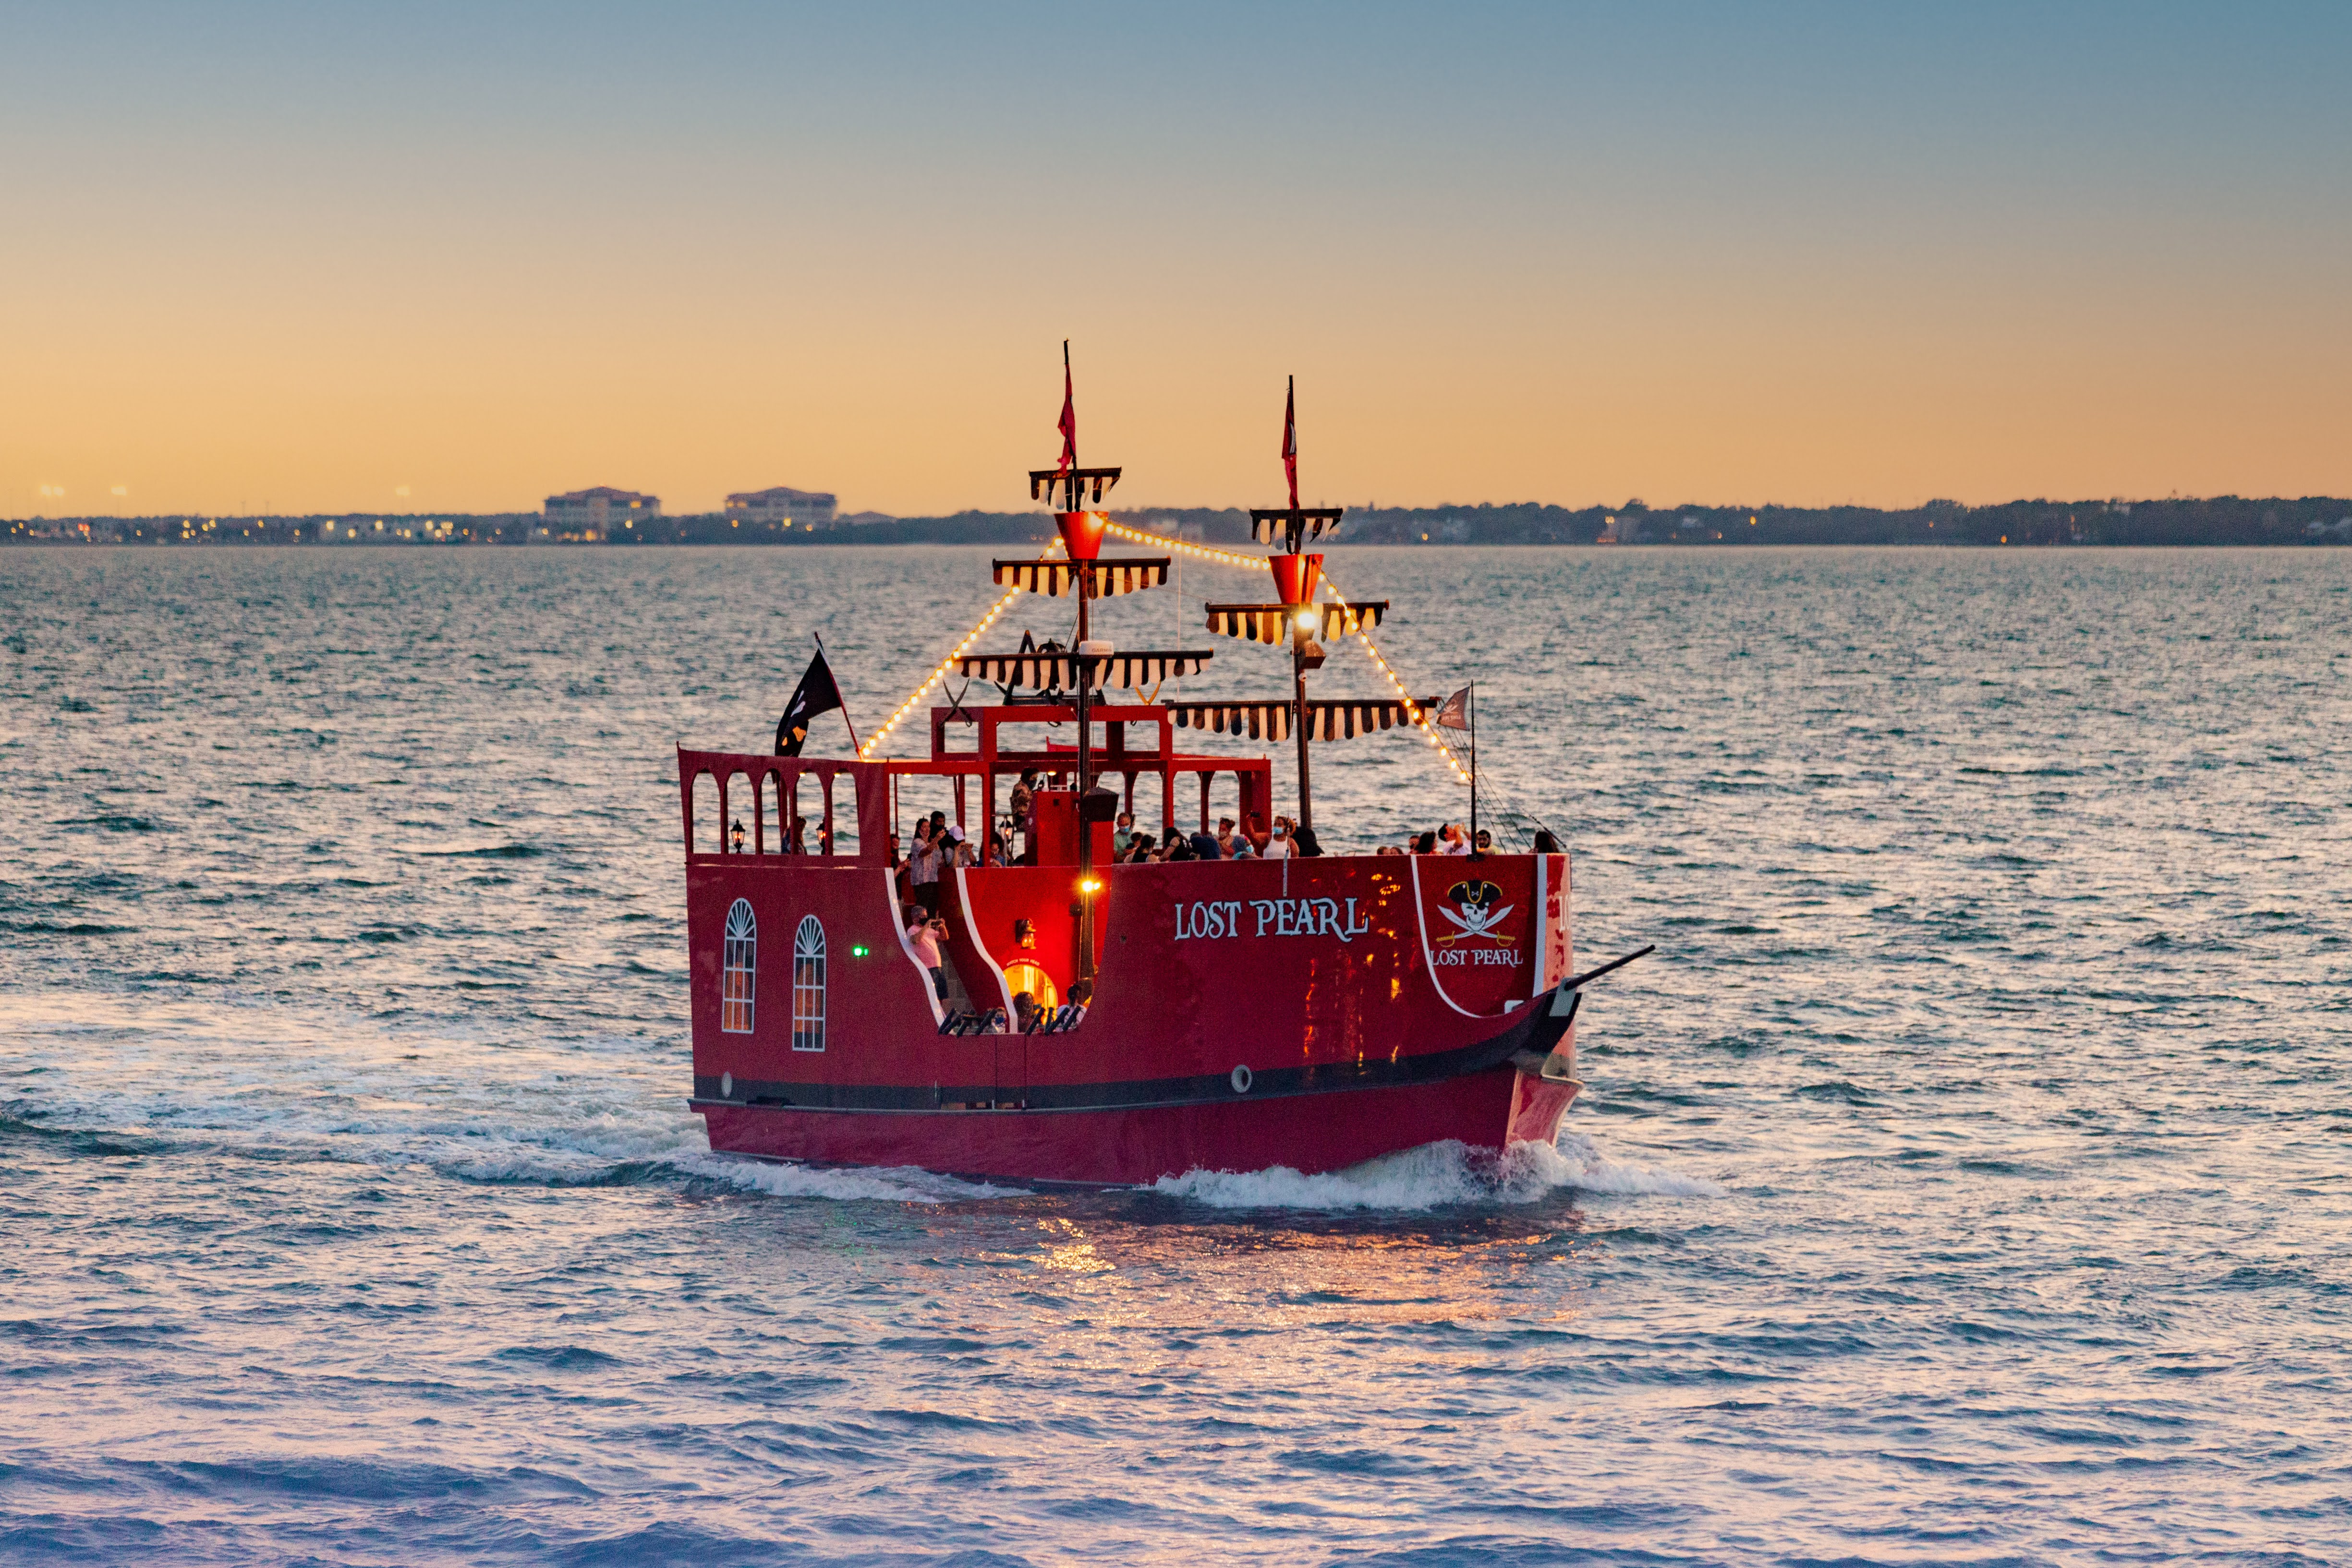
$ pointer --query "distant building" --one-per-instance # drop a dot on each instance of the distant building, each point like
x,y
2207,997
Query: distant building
x,y
594,514
782,506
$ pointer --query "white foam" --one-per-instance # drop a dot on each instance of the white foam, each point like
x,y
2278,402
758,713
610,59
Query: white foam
x,y
896,1183
1577,1162
1436,1173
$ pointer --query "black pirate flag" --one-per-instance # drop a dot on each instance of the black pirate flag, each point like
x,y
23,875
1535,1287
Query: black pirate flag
x,y
816,694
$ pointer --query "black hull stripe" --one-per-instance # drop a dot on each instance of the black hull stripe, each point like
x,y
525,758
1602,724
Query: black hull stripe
x,y
1535,1030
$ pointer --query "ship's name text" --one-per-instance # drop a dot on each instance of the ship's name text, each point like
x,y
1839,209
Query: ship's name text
x,y
1270,917
1502,957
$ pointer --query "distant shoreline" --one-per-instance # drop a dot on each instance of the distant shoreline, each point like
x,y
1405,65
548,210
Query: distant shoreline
x,y
2224,520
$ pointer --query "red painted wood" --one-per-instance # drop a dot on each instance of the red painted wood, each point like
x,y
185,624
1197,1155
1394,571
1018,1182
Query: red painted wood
x,y
1337,962
1309,1134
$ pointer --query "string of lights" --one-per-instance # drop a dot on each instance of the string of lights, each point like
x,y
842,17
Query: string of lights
x,y
1257,563
874,741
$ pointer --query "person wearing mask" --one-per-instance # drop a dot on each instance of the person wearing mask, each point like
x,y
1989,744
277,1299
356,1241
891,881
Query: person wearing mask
x,y
1122,836
923,869
925,934
1257,833
1225,836
1278,847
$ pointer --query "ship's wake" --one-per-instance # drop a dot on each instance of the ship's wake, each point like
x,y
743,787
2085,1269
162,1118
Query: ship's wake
x,y
1437,1174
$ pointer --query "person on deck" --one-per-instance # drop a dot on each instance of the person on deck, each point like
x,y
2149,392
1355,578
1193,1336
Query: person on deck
x,y
1279,847
923,875
1426,844
1457,842
1545,844
924,936
1486,844
1082,997
1122,837
1205,847
1025,1012
1225,836
1308,844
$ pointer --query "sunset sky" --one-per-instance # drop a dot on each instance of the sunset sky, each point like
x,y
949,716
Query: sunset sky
x,y
453,257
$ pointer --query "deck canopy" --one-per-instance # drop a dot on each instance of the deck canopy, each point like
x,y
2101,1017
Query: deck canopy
x,y
1065,488
1292,527
1341,718
1270,624
1055,577
1057,670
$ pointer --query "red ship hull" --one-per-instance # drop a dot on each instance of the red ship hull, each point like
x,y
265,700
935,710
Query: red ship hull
x,y
1330,1131
1309,1013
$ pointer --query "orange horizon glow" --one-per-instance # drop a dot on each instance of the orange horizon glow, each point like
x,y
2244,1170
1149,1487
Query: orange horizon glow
x,y
1860,258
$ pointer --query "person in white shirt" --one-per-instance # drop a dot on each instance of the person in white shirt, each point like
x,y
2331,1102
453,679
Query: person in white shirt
x,y
1279,847
923,868
1457,842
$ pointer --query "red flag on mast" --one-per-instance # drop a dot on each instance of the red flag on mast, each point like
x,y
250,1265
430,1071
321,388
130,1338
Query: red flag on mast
x,y
1290,440
1069,422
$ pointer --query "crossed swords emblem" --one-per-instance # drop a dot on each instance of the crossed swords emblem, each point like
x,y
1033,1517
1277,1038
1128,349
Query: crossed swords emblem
x,y
1477,914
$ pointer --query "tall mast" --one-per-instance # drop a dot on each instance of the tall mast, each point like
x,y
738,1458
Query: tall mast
x,y
1297,578
1065,487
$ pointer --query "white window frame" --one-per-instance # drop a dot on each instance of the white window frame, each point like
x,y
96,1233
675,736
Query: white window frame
x,y
808,985
738,955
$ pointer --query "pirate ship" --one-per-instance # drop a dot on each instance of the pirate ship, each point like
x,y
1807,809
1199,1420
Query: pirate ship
x,y
1304,1011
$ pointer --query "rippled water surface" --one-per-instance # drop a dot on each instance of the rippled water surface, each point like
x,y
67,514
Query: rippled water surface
x,y
1965,1180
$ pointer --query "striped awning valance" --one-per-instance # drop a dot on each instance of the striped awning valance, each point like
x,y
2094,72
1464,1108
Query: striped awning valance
x,y
1059,486
1054,672
1280,525
1270,622
1338,718
1112,576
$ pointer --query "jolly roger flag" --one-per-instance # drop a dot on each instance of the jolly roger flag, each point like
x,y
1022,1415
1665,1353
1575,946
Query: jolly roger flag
x,y
1456,714
816,694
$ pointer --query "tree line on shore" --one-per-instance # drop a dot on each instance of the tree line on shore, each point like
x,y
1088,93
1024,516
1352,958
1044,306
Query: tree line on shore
x,y
2212,520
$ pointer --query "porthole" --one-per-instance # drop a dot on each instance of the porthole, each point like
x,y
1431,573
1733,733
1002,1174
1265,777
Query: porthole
x,y
1243,1078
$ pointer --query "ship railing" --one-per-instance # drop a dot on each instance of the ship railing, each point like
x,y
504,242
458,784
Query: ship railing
x,y
750,803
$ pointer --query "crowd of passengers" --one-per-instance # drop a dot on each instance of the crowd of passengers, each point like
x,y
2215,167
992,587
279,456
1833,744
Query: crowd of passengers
x,y
939,846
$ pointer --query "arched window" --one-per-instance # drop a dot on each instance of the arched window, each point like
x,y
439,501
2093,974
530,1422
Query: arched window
x,y
739,973
808,985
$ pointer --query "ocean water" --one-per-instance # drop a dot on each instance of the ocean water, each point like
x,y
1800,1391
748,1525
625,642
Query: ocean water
x,y
1964,1181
